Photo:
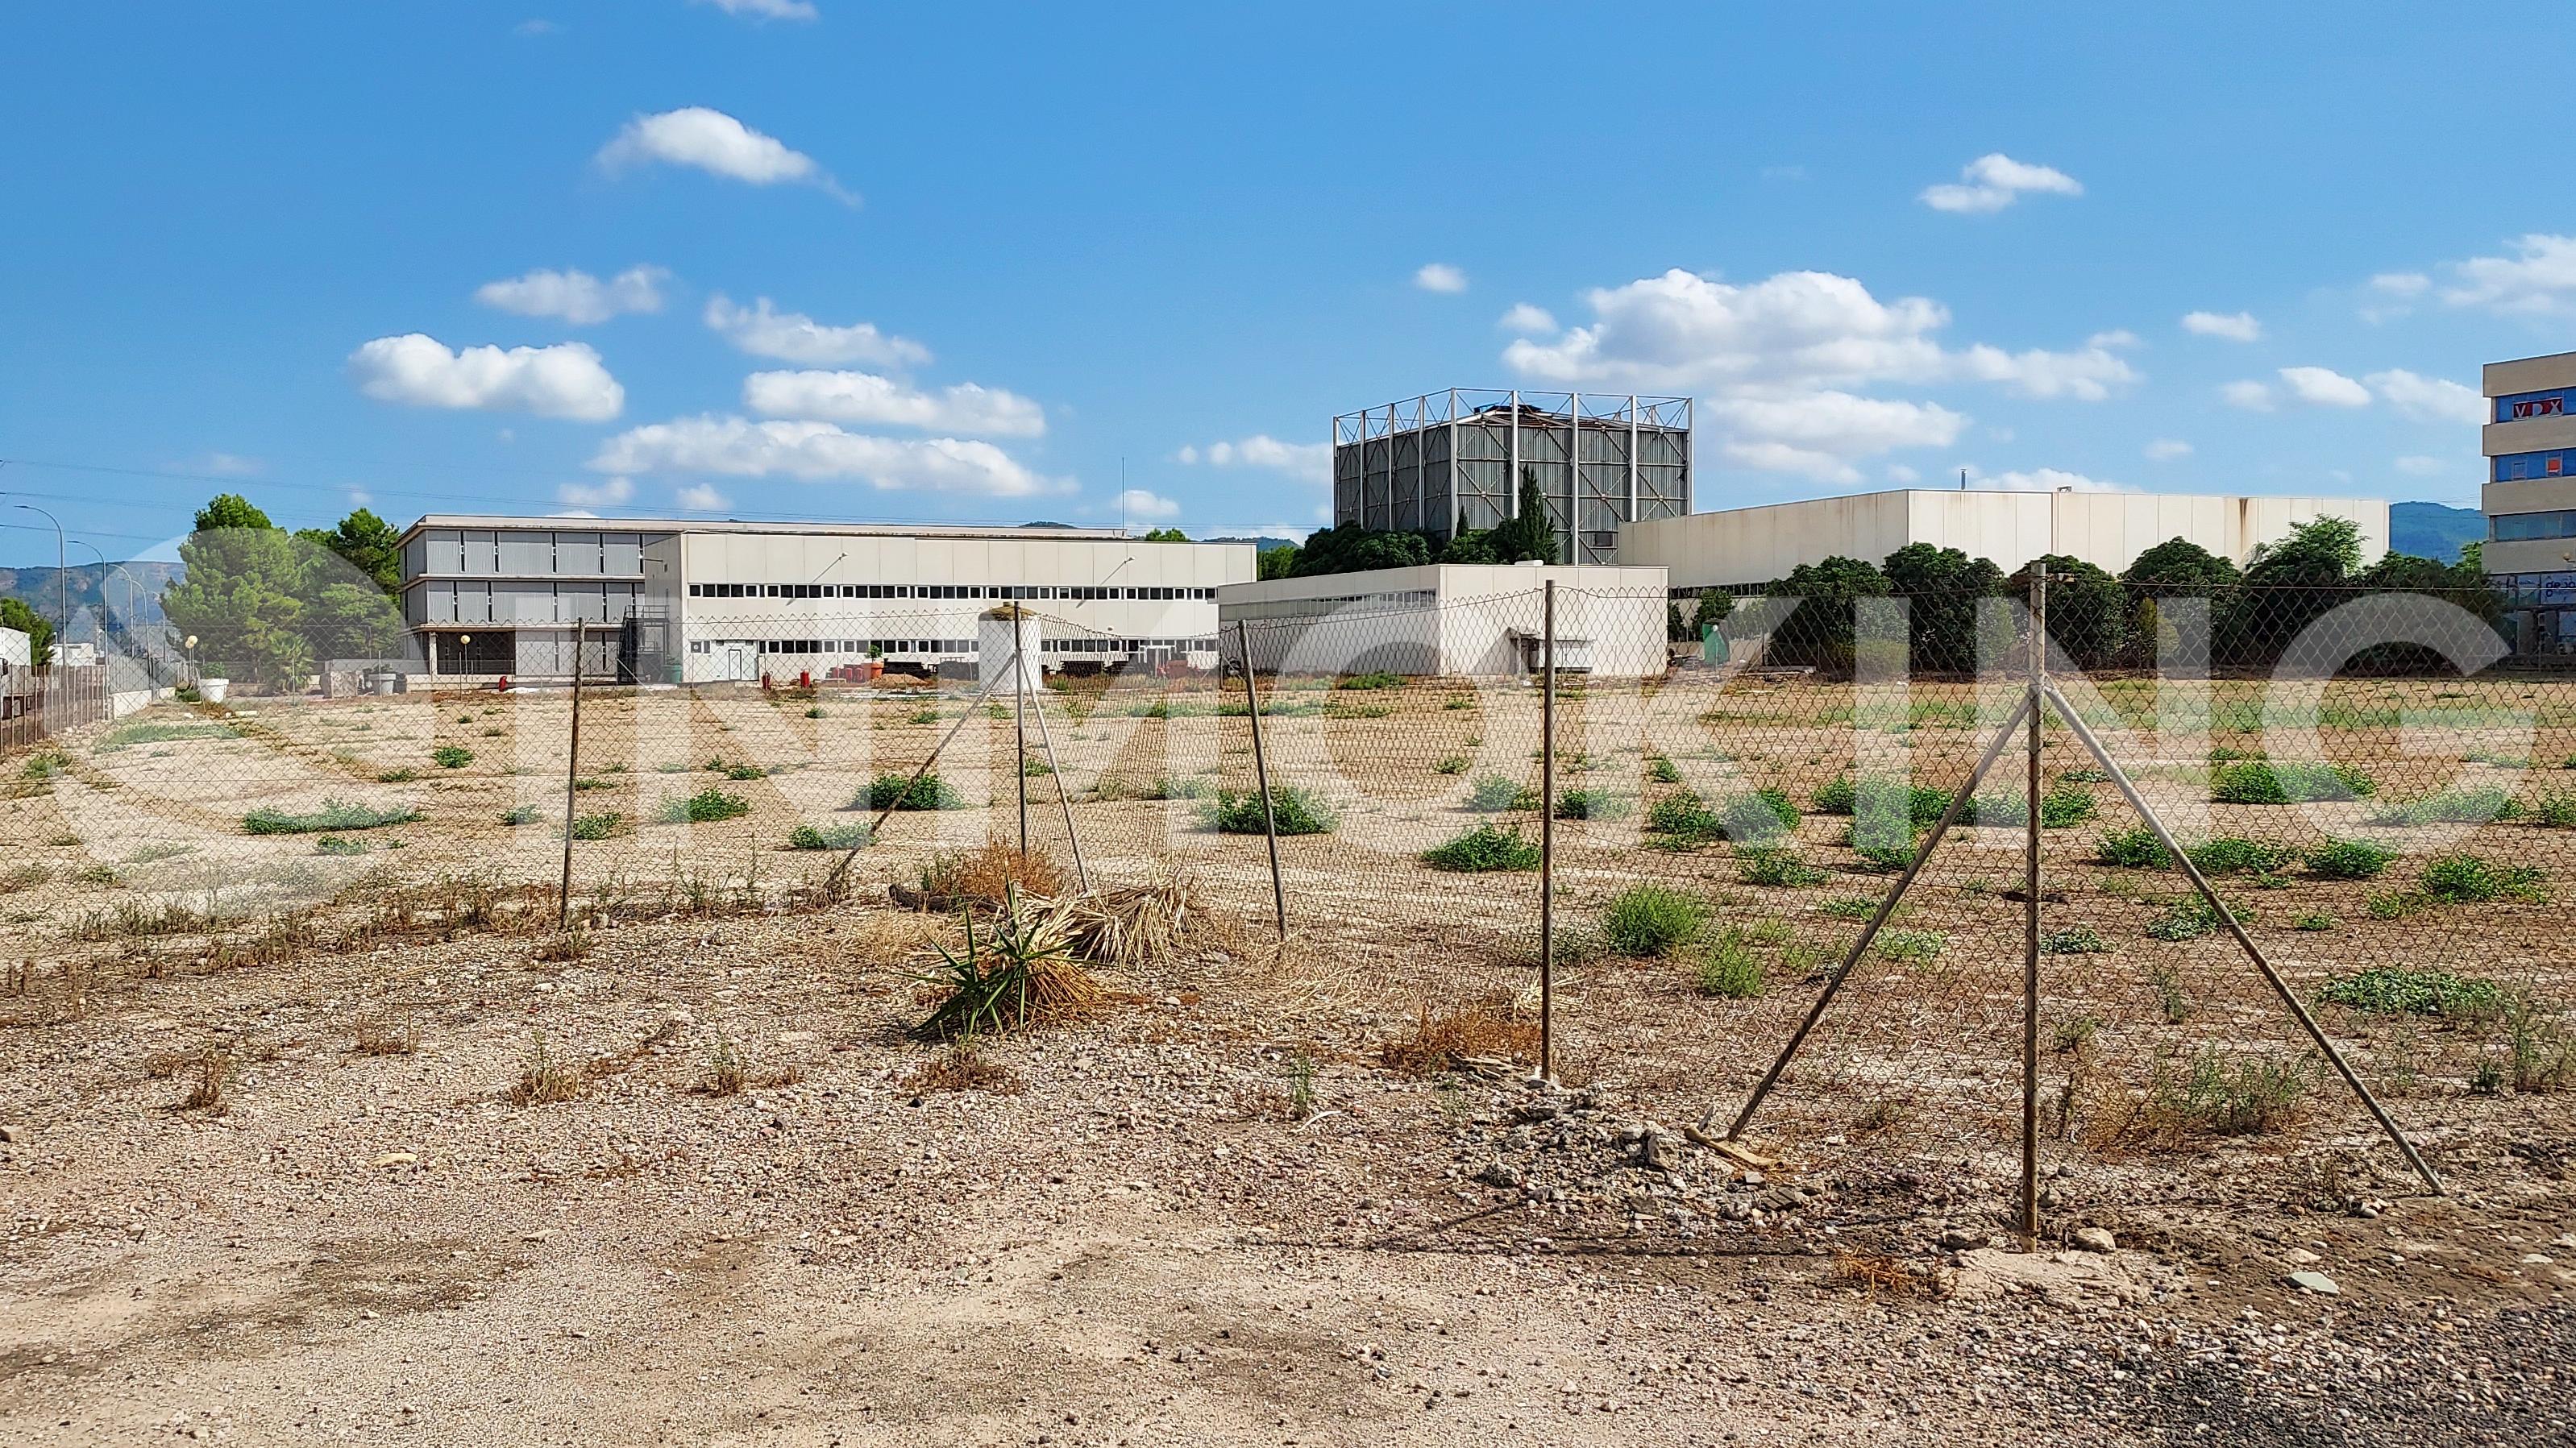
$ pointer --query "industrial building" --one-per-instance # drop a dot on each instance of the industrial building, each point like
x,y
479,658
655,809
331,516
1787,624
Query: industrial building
x,y
1450,620
1455,460
697,601
1741,547
2530,498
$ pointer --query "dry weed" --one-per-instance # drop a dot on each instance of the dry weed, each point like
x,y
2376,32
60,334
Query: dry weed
x,y
988,877
1486,1035
962,1068
543,1079
379,1036
1132,925
570,945
211,1092
1878,1274
725,1075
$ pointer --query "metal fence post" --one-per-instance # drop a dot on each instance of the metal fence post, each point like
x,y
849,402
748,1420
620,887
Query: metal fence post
x,y
2030,914
1547,835
1261,778
572,777
1020,721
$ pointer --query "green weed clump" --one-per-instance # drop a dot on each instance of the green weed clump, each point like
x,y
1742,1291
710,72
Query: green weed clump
x,y
2236,855
1662,770
1911,947
1878,795
2397,990
1296,811
1647,920
2258,781
451,756
1379,679
1484,849
2236,1095
521,814
1885,844
607,824
2452,807
2073,940
1454,764
705,807
2136,849
2555,812
1730,970
2348,859
902,791
334,816
1778,868
2465,879
827,837
1495,793
339,845
2192,917
1594,804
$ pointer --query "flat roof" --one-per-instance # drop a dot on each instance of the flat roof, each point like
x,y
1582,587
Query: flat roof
x,y
1998,493
1014,532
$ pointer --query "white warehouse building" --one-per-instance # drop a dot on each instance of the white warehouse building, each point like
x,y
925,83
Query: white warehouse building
x,y
699,602
1450,620
1739,547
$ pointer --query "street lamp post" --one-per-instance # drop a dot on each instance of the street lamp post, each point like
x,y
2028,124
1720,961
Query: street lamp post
x,y
62,579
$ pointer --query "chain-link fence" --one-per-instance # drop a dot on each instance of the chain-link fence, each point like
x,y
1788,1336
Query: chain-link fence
x,y
1721,810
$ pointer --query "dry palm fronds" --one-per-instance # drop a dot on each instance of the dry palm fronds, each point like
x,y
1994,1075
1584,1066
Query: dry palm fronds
x,y
1130,925
1874,1273
1485,1035
988,877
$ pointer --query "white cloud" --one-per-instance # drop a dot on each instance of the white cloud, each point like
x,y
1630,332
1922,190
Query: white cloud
x,y
2044,480
1440,276
2250,395
864,397
2234,326
766,9
2401,284
607,493
229,465
1900,473
716,143
564,380
2419,466
577,296
1526,319
2539,280
2324,387
2428,399
2091,373
1310,462
702,498
535,26
1150,507
2166,449
1818,434
795,337
818,452
1994,181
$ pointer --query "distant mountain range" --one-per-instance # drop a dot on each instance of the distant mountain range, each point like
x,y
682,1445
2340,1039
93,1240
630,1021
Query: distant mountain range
x,y
90,586
2432,530
1262,544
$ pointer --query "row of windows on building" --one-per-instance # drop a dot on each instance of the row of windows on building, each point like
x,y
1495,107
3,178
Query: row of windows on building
x,y
996,591
891,647
2556,462
2516,406
2523,527
2535,588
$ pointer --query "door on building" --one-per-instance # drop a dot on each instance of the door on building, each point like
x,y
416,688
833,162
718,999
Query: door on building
x,y
740,662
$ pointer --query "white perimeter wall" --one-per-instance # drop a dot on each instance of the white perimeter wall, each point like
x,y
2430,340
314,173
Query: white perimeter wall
x,y
2109,530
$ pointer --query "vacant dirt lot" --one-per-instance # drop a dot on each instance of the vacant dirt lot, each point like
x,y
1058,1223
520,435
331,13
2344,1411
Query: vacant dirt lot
x,y
271,1176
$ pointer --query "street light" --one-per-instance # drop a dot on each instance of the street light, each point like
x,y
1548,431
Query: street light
x,y
62,573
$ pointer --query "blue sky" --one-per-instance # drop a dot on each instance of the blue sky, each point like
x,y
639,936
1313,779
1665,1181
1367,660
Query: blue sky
x,y
327,252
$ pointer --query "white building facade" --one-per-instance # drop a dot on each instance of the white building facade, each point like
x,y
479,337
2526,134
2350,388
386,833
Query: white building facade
x,y
2530,498
701,602
1737,547
1450,621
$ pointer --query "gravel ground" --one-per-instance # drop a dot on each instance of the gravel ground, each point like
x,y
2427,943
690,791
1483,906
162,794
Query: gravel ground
x,y
1152,1227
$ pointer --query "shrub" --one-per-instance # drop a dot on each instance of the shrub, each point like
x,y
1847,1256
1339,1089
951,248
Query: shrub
x,y
827,837
1884,844
1647,920
607,823
2396,990
902,791
2465,879
2236,855
2543,1055
2073,940
2348,859
2136,848
1662,770
1911,947
1730,970
1454,764
1877,795
1852,907
1377,680
1484,848
2236,1096
1033,766
1594,804
2397,904
705,807
1778,868
521,814
2556,812
339,845
2313,920
334,816
397,776
1494,793
451,756
1296,811
2192,917
738,772
2065,805
2452,807
2286,782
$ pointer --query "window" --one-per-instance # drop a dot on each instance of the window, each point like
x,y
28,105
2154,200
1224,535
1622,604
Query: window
x,y
2557,462
2523,527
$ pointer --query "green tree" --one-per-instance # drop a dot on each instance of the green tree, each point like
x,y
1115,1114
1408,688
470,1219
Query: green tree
x,y
2180,568
2088,609
1943,589
277,604
17,613
1351,548
370,545
1165,535
1818,632
2286,589
1276,563
1530,535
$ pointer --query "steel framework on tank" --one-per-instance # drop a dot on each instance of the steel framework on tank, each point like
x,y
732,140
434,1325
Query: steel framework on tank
x,y
1443,460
